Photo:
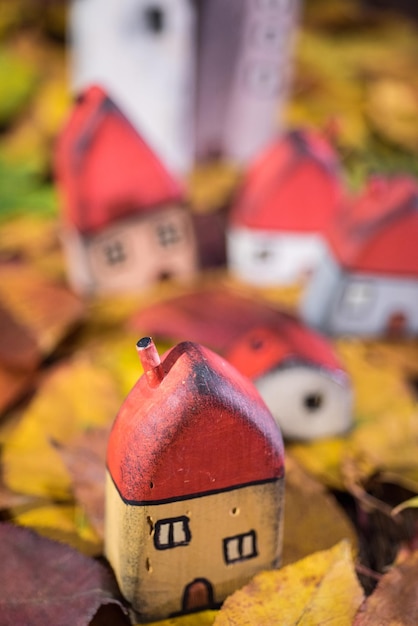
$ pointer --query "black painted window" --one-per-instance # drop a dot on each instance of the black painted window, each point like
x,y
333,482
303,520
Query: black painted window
x,y
172,532
240,547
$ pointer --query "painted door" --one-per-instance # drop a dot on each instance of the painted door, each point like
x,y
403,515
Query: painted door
x,y
198,595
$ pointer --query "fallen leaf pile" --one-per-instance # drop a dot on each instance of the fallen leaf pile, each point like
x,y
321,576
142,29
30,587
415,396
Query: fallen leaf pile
x,y
350,545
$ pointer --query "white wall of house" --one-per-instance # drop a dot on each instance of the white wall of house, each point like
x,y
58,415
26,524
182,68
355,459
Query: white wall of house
x,y
360,304
307,402
142,53
271,258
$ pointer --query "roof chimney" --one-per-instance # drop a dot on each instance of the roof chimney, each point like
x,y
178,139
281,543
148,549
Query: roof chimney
x,y
150,360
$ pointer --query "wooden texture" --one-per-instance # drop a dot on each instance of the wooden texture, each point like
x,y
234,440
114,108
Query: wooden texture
x,y
194,495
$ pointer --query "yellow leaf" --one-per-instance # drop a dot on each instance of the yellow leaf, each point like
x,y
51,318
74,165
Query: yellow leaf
x,y
62,523
74,397
385,422
205,618
320,589
322,524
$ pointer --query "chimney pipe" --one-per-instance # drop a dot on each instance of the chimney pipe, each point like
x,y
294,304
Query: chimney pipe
x,y
150,360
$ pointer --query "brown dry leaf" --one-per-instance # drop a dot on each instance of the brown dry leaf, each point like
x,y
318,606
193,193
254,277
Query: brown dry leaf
x,y
320,589
85,459
46,582
18,348
313,520
46,309
395,599
13,385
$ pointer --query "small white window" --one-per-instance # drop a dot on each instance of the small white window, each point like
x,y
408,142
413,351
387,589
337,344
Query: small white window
x,y
357,298
240,547
172,532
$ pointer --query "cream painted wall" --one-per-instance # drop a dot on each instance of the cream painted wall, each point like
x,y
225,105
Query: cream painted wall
x,y
154,580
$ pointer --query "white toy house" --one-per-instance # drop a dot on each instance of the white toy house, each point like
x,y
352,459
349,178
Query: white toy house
x,y
367,284
289,196
204,77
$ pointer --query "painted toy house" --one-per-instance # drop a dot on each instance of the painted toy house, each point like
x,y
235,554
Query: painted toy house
x,y
297,371
194,77
194,494
367,284
288,198
299,377
125,225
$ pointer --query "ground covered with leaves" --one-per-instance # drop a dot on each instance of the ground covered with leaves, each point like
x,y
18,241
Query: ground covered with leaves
x,y
350,552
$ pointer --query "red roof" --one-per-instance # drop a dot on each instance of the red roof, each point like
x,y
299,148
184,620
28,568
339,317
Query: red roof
x,y
104,169
264,349
295,185
203,429
252,335
378,232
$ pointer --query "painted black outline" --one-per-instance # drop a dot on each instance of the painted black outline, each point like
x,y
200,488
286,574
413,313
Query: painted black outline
x,y
192,496
171,543
240,537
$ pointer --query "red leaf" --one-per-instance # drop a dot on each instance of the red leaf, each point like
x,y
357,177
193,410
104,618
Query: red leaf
x,y
45,582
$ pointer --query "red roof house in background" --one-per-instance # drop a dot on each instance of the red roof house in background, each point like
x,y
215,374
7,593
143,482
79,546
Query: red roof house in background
x,y
287,200
194,496
296,370
124,220
368,283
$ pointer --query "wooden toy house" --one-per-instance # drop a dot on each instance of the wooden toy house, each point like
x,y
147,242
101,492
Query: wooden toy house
x,y
367,284
202,77
125,224
299,376
194,494
296,370
288,198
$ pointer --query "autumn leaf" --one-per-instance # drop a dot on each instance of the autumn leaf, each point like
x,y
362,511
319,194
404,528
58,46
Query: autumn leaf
x,y
85,459
46,582
395,600
313,520
203,618
320,589
46,309
74,397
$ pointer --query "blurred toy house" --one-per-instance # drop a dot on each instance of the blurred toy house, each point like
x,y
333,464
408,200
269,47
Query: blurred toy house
x,y
197,78
367,284
288,198
125,224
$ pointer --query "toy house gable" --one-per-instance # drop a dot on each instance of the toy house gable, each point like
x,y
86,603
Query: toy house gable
x,y
283,209
125,224
368,282
235,416
106,170
194,495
